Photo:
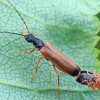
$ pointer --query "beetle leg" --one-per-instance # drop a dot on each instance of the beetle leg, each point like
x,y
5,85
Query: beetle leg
x,y
84,81
27,52
63,73
97,85
37,65
55,69
58,79
92,85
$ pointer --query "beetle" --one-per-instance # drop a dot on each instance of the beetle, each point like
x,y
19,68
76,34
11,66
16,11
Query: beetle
x,y
58,60
89,78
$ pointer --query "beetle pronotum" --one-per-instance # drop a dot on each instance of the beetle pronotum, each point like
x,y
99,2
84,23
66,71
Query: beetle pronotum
x,y
59,60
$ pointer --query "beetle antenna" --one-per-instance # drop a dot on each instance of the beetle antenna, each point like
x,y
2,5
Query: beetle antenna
x,y
20,16
13,33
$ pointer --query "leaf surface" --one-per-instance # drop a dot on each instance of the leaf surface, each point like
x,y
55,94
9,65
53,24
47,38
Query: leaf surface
x,y
71,25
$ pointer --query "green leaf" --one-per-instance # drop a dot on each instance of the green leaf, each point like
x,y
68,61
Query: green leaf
x,y
71,25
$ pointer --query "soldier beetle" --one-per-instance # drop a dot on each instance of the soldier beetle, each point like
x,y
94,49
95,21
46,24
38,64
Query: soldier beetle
x,y
58,60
